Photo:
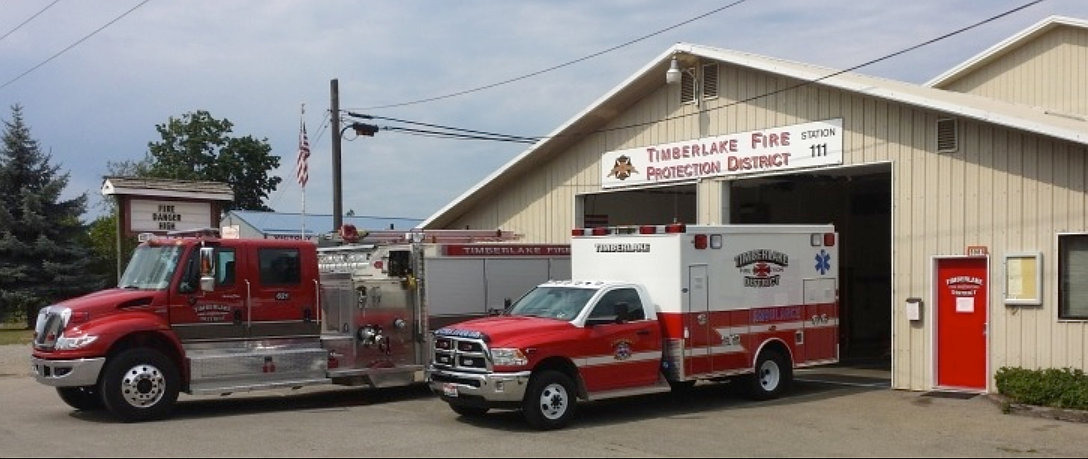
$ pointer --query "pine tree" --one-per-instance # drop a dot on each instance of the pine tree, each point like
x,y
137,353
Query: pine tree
x,y
45,253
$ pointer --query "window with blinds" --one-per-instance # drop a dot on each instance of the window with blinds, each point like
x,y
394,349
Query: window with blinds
x,y
1073,276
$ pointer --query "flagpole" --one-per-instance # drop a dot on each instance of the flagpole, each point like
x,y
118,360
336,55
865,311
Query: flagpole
x,y
303,172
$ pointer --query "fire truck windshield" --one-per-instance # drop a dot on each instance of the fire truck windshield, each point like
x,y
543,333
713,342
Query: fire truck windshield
x,y
151,267
563,303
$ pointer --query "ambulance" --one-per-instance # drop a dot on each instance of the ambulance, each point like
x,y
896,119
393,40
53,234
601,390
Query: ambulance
x,y
650,309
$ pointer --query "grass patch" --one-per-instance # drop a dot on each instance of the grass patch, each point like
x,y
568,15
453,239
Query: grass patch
x,y
15,334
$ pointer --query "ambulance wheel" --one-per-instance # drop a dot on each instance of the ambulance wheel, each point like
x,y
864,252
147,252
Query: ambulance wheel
x,y
550,401
772,377
468,411
83,398
681,387
140,385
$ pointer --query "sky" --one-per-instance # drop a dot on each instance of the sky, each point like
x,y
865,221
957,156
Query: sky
x,y
94,78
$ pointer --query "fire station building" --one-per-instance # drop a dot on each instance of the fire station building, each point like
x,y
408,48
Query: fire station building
x,y
961,204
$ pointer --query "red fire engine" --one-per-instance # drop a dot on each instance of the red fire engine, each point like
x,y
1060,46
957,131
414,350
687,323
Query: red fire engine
x,y
201,314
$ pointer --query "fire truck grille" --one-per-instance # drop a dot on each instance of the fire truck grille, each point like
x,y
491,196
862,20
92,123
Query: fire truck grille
x,y
461,354
48,329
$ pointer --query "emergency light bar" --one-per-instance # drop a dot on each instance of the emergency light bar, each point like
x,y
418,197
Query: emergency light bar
x,y
671,228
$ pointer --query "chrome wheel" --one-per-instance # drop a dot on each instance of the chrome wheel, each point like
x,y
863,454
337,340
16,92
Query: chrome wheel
x,y
143,385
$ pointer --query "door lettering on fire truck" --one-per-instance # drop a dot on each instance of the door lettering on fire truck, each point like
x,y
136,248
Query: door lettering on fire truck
x,y
212,312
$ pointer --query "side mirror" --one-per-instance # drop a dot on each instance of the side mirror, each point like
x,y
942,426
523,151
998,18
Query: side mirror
x,y
498,312
623,311
207,269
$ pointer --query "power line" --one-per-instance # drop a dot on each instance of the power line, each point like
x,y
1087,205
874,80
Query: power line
x,y
31,18
455,136
73,45
753,98
549,69
495,136
803,84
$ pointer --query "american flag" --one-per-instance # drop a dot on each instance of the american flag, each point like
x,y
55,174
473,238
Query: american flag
x,y
302,172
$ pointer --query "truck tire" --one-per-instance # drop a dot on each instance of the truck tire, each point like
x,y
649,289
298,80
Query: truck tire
x,y
83,398
772,377
140,385
468,411
550,401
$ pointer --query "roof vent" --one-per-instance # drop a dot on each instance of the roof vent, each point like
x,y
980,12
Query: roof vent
x,y
947,135
687,87
710,80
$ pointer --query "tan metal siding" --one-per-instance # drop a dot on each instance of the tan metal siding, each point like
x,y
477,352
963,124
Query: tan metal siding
x,y
1049,72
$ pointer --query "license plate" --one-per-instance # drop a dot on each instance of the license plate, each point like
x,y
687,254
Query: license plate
x,y
449,390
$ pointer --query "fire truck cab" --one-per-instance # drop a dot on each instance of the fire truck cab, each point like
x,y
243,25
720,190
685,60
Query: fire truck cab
x,y
650,309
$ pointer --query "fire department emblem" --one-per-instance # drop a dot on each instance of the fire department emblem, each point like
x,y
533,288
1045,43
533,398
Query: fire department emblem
x,y
623,168
622,349
762,268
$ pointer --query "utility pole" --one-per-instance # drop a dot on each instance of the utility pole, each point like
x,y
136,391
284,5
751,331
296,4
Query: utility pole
x,y
337,198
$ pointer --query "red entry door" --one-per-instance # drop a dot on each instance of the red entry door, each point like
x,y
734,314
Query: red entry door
x,y
961,320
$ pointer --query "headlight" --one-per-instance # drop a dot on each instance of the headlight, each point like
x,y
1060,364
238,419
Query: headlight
x,y
508,357
65,343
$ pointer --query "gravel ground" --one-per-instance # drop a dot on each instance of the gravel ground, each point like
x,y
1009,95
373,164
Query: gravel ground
x,y
15,360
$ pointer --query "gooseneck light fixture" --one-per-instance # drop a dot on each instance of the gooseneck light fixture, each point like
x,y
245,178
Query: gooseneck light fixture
x,y
673,75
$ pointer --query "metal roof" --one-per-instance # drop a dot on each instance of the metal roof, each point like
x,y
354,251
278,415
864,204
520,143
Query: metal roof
x,y
651,76
287,223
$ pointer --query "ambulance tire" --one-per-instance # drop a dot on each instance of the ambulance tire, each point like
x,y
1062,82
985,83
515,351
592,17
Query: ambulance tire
x,y
83,398
681,387
550,402
140,384
468,411
772,377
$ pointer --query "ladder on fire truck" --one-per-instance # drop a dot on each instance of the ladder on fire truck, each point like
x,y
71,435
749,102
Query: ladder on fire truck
x,y
350,235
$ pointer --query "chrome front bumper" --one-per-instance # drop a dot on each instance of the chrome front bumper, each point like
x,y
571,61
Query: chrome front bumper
x,y
67,373
490,387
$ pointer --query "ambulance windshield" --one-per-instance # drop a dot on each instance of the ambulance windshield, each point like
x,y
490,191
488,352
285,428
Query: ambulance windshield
x,y
150,267
552,302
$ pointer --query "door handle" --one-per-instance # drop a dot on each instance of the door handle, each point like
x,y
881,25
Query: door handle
x,y
643,333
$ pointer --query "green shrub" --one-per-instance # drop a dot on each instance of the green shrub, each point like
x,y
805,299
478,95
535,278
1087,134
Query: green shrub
x,y
1053,387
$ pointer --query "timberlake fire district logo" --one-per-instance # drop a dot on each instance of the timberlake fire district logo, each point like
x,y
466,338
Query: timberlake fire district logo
x,y
623,168
762,268
622,349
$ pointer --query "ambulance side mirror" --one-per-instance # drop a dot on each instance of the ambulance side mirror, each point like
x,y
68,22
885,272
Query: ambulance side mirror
x,y
623,312
498,312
